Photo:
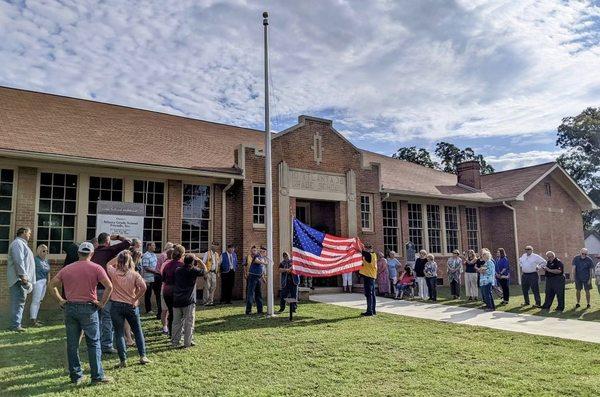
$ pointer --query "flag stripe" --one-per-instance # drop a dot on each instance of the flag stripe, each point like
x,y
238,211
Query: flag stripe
x,y
317,254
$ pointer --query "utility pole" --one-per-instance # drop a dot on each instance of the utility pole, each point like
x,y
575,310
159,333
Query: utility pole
x,y
268,177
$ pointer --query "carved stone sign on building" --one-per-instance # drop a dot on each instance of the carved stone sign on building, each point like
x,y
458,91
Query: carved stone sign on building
x,y
309,184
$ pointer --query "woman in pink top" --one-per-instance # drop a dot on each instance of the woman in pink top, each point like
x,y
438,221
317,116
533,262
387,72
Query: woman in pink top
x,y
128,288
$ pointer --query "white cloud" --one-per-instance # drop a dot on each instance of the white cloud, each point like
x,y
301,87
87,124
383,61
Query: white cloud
x,y
392,71
515,160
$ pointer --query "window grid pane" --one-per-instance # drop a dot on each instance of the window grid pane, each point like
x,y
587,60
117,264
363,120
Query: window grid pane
x,y
195,224
390,226
105,189
434,227
259,205
415,225
451,223
57,211
365,212
472,229
6,198
152,194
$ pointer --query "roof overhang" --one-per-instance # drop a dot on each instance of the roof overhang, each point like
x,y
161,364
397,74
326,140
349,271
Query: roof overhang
x,y
407,193
20,154
567,183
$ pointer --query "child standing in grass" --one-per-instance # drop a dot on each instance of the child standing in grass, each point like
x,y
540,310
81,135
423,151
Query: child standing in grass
x,y
431,277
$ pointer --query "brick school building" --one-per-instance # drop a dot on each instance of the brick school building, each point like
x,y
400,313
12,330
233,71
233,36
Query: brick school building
x,y
202,181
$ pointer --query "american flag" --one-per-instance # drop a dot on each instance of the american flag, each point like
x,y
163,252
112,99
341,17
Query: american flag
x,y
317,254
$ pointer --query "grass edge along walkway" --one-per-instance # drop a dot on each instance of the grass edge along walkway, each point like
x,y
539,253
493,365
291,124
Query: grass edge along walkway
x,y
326,351
585,331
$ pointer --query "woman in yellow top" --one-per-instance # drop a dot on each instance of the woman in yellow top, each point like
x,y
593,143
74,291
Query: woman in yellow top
x,y
369,273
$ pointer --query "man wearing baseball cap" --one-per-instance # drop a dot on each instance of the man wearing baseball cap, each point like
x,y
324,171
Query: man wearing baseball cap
x,y
80,280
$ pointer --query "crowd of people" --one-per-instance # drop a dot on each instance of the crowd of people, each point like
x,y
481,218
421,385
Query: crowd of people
x,y
103,281
482,274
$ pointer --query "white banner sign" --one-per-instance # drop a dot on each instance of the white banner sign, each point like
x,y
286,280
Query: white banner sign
x,y
125,219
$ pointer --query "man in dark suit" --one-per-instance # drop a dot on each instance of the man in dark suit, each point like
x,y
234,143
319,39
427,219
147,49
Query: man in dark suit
x,y
229,264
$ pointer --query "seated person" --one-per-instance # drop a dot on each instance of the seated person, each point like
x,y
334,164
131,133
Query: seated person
x,y
405,282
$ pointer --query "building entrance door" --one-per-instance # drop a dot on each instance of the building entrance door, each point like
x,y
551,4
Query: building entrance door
x,y
320,215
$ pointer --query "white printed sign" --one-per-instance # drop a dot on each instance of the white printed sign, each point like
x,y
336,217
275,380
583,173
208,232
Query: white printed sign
x,y
125,219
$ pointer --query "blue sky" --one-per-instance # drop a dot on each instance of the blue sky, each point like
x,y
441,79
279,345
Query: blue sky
x,y
497,76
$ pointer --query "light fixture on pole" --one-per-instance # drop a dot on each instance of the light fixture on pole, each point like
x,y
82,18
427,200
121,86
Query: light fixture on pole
x,y
268,177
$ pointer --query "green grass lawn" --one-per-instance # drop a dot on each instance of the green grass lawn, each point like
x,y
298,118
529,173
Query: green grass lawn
x,y
326,351
516,300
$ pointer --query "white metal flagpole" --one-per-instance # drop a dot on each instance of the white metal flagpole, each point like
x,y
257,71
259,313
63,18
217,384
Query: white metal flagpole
x,y
268,177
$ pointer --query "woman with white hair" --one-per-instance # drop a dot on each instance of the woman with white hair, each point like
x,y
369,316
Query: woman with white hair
x,y
393,265
486,280
420,274
42,268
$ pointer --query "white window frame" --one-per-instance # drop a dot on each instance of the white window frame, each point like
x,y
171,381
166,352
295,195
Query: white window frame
x,y
398,227
369,213
423,229
76,214
467,230
129,192
87,227
255,206
210,211
445,236
13,203
425,226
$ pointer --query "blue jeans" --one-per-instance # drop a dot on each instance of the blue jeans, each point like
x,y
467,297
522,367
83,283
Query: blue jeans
x,y
83,317
253,293
488,298
17,304
106,325
369,285
121,312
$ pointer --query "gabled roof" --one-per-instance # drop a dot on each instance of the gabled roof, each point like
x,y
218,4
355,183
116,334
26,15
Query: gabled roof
x,y
32,122
405,178
511,183
588,233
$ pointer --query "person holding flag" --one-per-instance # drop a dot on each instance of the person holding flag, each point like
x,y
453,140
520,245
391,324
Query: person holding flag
x,y
369,273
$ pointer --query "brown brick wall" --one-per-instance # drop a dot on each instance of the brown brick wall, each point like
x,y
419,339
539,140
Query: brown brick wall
x,y
25,200
174,211
550,223
497,231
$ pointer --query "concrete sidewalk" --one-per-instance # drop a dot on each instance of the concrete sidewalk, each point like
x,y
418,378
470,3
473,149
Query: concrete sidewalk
x,y
586,331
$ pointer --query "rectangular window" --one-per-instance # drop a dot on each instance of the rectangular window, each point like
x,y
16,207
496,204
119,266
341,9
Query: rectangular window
x,y
548,189
434,228
6,207
57,209
101,189
366,212
451,223
415,226
390,226
259,205
152,194
195,225
472,229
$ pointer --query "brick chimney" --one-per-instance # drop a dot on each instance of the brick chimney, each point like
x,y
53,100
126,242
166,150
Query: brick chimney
x,y
469,174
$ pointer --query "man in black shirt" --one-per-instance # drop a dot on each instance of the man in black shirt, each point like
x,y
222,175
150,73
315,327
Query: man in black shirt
x,y
555,282
184,299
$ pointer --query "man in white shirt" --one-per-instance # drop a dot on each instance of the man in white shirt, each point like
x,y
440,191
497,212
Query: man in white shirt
x,y
20,276
212,259
530,264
